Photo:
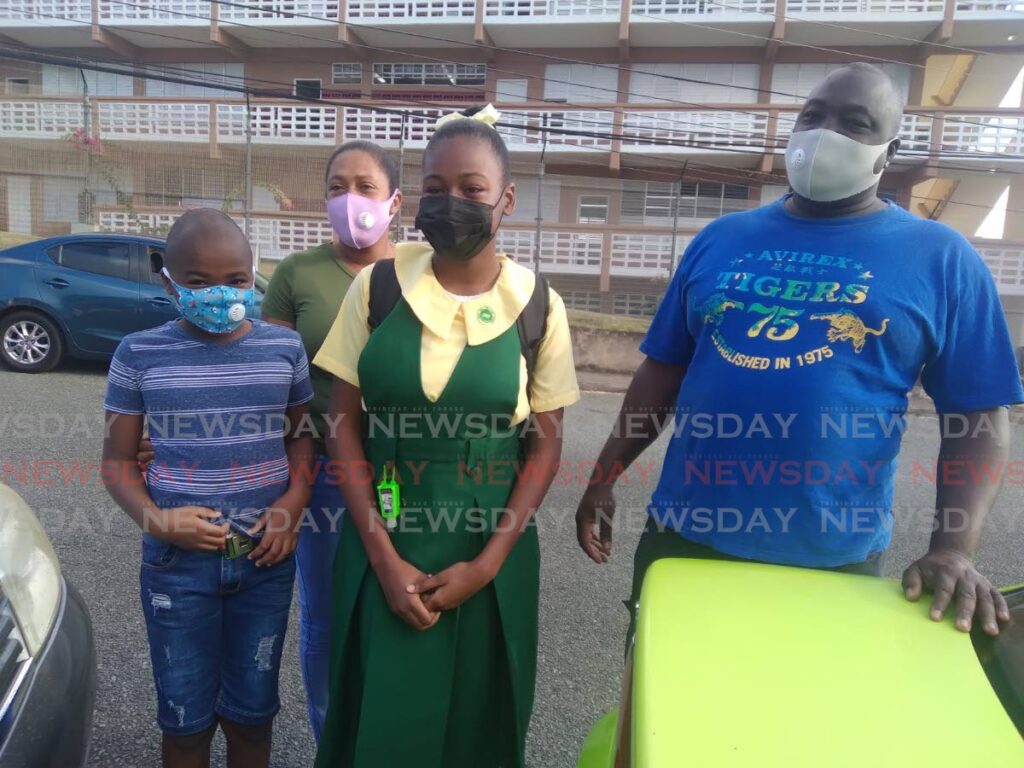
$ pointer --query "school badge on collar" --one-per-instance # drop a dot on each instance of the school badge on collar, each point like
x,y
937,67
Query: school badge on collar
x,y
485,315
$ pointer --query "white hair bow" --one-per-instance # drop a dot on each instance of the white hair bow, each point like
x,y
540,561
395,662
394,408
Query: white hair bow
x,y
488,116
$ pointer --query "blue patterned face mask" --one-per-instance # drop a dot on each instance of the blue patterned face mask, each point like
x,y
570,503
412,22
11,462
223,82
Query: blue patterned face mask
x,y
216,309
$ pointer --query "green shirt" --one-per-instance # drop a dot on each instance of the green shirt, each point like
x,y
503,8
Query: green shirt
x,y
307,289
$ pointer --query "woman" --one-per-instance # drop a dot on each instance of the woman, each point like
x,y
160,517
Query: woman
x,y
305,293
435,641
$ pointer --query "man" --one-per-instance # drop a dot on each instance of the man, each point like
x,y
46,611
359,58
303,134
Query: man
x,y
787,341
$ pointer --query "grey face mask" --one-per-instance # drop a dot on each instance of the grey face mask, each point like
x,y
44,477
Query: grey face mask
x,y
826,166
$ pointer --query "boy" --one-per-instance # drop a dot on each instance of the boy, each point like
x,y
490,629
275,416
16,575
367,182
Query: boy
x,y
224,400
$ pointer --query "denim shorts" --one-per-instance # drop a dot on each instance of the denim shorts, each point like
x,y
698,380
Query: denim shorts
x,y
216,628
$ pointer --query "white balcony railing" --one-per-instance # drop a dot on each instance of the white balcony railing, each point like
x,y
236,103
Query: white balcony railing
x,y
525,131
275,238
386,128
1007,265
521,130
409,10
272,237
175,11
692,130
916,133
519,9
518,244
633,254
700,7
990,5
864,6
574,253
178,12
989,134
46,13
571,253
276,123
39,119
636,254
282,10
122,221
157,121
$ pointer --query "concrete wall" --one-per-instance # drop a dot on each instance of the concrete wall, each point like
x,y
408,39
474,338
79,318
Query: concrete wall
x,y
600,350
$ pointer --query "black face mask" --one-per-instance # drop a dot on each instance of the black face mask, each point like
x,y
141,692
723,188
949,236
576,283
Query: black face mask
x,y
456,228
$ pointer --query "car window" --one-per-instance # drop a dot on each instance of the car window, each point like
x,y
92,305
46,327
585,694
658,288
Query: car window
x,y
110,259
154,278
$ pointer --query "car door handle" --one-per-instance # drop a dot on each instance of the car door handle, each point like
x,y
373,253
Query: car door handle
x,y
159,301
57,282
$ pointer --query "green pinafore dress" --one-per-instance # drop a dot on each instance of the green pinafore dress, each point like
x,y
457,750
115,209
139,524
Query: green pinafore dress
x,y
458,695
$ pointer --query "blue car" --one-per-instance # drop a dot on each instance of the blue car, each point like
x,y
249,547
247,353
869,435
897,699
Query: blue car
x,y
78,296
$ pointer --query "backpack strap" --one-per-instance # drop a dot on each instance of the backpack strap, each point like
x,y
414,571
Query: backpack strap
x,y
532,323
384,292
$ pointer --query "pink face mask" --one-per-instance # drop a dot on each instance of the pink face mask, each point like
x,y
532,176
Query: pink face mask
x,y
359,221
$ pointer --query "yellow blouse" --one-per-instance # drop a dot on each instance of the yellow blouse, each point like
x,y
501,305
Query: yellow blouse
x,y
450,324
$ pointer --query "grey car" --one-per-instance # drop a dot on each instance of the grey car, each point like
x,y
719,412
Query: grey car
x,y
47,656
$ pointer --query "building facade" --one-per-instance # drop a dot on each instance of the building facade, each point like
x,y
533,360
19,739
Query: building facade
x,y
649,118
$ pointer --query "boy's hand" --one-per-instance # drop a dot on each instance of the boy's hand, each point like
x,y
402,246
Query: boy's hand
x,y
396,578
451,587
188,528
280,537
144,455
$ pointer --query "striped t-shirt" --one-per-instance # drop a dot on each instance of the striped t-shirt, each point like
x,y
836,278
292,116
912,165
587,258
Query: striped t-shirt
x,y
216,413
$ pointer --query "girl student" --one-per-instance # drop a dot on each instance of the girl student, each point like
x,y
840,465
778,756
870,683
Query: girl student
x,y
437,575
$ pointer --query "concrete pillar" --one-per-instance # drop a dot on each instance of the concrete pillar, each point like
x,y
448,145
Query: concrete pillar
x,y
1014,229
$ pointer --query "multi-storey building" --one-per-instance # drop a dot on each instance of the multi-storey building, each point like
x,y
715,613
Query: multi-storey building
x,y
651,117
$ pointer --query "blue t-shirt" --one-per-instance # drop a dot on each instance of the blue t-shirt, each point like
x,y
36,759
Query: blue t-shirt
x,y
216,414
802,338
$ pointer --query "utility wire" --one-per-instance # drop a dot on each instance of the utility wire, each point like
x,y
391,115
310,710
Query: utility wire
x,y
77,61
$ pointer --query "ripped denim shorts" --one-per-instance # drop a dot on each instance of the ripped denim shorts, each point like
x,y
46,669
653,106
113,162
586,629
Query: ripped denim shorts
x,y
216,627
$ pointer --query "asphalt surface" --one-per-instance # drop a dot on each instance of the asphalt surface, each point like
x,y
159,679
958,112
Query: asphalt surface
x,y
57,416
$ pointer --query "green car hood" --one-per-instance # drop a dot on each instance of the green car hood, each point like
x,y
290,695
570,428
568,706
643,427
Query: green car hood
x,y
740,665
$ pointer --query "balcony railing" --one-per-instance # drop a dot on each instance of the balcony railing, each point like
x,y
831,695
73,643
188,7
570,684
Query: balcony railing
x,y
644,255
564,249
519,9
991,5
388,128
281,10
278,124
688,131
172,11
157,121
993,135
408,10
190,12
45,13
521,129
864,6
916,133
39,119
562,252
981,133
272,237
700,7
1007,265
525,131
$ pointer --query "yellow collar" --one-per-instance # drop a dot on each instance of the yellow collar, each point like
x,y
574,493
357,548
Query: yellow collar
x,y
486,317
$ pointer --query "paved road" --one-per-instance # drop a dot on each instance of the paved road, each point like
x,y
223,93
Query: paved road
x,y
582,618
